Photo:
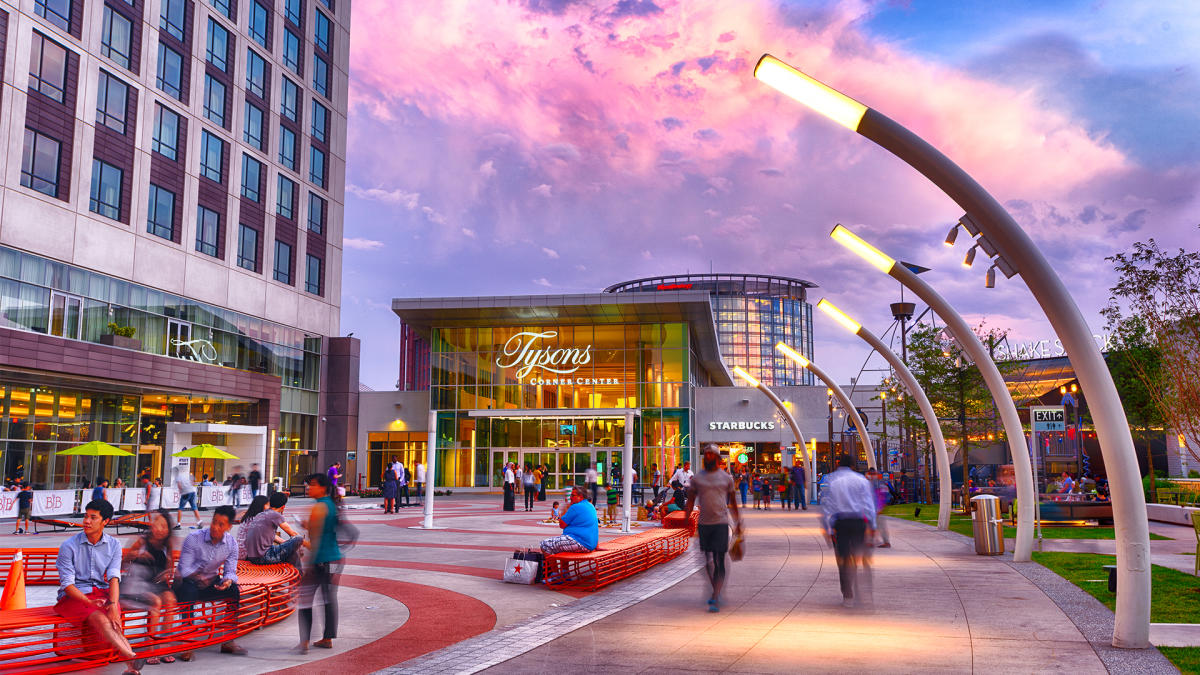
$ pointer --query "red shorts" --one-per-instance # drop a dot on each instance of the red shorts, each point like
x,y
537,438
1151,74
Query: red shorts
x,y
78,611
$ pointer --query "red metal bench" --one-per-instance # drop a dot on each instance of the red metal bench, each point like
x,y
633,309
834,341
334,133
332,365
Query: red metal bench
x,y
619,558
37,640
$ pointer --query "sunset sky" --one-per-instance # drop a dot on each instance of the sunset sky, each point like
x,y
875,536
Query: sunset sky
x,y
559,146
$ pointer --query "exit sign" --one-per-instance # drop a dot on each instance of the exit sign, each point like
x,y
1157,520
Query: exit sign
x,y
1047,418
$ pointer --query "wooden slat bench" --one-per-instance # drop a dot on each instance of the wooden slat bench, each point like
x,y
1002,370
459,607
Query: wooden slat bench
x,y
37,640
620,558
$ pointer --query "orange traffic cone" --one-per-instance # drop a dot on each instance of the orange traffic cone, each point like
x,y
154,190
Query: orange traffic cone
x,y
14,586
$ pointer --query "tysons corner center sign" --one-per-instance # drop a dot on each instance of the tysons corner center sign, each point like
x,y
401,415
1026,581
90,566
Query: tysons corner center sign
x,y
741,426
524,352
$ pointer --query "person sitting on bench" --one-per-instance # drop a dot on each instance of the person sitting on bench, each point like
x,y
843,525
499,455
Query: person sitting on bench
x,y
197,579
89,580
581,528
264,546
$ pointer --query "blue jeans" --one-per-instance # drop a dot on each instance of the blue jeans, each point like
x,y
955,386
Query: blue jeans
x,y
797,494
280,553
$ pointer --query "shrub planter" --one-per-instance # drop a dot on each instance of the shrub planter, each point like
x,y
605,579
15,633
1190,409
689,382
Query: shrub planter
x,y
122,342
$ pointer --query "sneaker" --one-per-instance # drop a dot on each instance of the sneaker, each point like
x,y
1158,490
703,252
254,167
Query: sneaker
x,y
885,545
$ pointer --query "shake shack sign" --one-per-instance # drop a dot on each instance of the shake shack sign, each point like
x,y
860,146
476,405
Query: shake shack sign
x,y
741,425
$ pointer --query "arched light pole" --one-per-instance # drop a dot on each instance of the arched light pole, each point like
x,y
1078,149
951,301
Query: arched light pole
x,y
970,344
1019,254
910,382
787,417
864,439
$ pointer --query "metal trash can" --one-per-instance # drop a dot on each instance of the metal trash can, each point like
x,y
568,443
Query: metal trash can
x,y
987,525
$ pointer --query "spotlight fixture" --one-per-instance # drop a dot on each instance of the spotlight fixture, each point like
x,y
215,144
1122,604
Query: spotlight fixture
x,y
967,261
952,235
989,280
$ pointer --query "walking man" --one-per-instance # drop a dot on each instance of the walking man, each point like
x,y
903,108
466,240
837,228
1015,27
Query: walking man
x,y
187,496
798,487
715,489
589,477
849,503
255,479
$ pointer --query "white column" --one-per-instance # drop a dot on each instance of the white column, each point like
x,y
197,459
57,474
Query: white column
x,y
627,470
430,470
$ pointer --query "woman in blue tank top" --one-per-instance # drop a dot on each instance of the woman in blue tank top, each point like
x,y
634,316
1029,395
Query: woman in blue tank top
x,y
323,563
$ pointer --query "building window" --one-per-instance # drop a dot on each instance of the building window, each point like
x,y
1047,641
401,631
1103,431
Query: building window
x,y
283,262
291,50
287,147
256,74
260,26
111,99
214,100
322,31
48,68
316,165
254,127
211,151
285,202
208,223
117,37
171,18
251,178
247,257
223,7
293,9
170,71
316,213
321,76
160,214
320,122
218,45
106,189
166,132
39,163
312,280
289,100
328,4
57,12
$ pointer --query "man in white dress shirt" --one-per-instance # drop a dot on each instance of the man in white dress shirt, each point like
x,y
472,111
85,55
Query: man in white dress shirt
x,y
849,504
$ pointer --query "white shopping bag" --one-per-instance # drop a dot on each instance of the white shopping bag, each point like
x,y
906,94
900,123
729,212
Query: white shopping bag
x,y
520,571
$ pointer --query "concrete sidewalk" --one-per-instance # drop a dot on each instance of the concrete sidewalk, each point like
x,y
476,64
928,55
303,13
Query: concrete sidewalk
x,y
937,607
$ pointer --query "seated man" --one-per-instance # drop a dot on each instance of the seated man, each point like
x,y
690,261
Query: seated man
x,y
264,546
89,580
581,528
199,575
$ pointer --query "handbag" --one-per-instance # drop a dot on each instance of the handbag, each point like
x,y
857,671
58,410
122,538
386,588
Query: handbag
x,y
738,548
520,571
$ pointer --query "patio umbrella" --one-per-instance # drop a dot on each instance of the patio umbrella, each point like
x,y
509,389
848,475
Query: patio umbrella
x,y
205,451
95,449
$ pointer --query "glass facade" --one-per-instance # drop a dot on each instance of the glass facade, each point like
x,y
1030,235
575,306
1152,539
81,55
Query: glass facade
x,y
753,312
573,369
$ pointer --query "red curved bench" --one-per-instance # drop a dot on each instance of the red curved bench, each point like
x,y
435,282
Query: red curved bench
x,y
620,558
37,640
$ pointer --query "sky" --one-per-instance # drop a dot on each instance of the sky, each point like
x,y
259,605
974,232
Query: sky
x,y
560,146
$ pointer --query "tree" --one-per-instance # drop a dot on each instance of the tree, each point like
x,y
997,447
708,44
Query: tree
x,y
1153,314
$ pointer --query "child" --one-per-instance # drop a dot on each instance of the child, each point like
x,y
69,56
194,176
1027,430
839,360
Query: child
x,y
24,508
766,492
555,514
612,492
757,486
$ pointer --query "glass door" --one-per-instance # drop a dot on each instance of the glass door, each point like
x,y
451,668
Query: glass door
x,y
179,334
65,313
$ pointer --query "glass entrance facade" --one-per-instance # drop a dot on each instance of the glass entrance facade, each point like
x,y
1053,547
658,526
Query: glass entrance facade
x,y
582,371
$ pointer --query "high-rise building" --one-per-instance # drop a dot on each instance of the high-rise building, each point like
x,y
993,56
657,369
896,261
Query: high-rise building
x,y
171,236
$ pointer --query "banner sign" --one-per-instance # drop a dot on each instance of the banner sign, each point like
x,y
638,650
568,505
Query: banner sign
x,y
212,495
53,502
113,496
8,504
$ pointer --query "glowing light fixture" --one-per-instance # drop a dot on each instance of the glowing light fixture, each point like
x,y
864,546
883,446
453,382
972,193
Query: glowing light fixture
x,y
737,370
839,316
989,280
822,98
864,250
952,235
970,259
792,354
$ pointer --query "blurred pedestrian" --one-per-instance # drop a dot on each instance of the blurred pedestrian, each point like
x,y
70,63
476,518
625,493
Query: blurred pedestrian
x,y
255,480
187,497
849,521
590,479
320,573
767,489
798,478
715,490
880,487
529,485
402,480
147,572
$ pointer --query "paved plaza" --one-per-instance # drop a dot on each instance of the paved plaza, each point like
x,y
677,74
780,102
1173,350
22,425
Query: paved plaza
x,y
426,601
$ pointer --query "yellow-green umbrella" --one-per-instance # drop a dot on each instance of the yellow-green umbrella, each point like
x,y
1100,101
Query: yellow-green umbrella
x,y
205,451
95,449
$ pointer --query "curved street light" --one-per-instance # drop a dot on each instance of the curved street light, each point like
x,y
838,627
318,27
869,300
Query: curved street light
x,y
910,382
791,422
864,440
969,342
1016,252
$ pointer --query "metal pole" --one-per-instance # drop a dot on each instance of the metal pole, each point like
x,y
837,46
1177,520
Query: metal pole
x,y
931,421
627,470
791,422
430,470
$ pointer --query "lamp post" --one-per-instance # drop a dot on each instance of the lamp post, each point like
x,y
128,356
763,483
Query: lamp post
x,y
787,417
910,382
969,342
864,439
1016,252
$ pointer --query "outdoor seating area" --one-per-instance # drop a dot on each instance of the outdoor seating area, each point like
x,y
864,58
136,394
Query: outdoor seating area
x,y
622,557
38,640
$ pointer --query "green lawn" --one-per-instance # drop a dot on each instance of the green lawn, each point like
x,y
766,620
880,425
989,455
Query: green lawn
x,y
1175,597
962,524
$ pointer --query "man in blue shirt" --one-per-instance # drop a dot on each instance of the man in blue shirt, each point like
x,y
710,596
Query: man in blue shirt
x,y
581,527
797,487
207,570
89,579
849,503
